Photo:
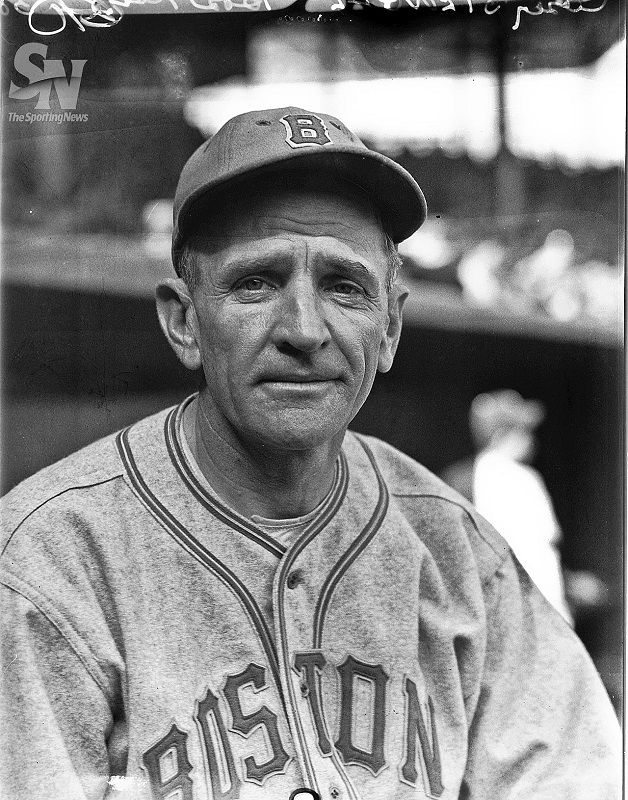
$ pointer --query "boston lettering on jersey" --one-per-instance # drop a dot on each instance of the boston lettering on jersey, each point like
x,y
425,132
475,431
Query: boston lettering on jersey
x,y
168,765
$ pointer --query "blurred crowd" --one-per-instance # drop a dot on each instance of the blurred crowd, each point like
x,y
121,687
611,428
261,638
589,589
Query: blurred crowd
x,y
556,277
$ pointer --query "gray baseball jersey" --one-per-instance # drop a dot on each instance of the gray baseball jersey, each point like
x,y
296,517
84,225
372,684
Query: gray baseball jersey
x,y
158,644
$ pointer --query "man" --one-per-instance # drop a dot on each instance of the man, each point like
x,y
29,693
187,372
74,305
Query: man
x,y
508,492
238,598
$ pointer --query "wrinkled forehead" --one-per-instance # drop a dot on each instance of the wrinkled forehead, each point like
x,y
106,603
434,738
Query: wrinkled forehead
x,y
309,205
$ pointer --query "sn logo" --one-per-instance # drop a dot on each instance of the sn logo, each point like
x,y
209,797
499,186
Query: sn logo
x,y
41,80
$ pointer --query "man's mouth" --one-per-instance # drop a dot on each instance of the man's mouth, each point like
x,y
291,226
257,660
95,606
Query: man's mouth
x,y
297,384
297,377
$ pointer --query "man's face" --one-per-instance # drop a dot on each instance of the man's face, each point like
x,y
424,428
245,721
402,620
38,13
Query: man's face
x,y
292,318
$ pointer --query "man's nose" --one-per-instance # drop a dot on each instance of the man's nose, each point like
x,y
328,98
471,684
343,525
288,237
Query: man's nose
x,y
301,323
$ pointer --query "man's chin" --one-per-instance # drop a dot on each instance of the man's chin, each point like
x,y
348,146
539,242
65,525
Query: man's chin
x,y
298,432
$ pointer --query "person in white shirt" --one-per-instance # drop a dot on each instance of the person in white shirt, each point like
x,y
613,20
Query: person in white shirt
x,y
510,493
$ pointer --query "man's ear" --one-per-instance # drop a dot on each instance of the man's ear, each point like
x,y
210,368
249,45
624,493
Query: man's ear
x,y
390,339
177,317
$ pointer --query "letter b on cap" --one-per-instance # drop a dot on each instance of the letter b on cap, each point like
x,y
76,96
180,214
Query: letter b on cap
x,y
303,130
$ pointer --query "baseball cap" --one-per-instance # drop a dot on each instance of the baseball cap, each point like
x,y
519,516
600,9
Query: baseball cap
x,y
279,139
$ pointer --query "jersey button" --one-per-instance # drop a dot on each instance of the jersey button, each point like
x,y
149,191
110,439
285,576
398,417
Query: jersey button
x,y
295,578
334,792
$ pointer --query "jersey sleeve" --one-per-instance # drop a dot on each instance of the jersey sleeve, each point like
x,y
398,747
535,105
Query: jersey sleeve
x,y
57,727
543,727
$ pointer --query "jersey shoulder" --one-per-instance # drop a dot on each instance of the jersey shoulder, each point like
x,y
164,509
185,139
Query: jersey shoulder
x,y
434,508
94,465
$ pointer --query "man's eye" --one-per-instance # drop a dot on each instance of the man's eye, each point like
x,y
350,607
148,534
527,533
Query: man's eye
x,y
344,287
253,284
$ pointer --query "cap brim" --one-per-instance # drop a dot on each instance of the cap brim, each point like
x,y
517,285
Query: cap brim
x,y
392,189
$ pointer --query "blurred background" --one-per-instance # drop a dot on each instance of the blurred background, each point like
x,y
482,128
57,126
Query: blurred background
x,y
516,280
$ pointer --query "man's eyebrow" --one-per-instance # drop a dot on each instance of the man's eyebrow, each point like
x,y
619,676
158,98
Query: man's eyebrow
x,y
353,267
245,263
